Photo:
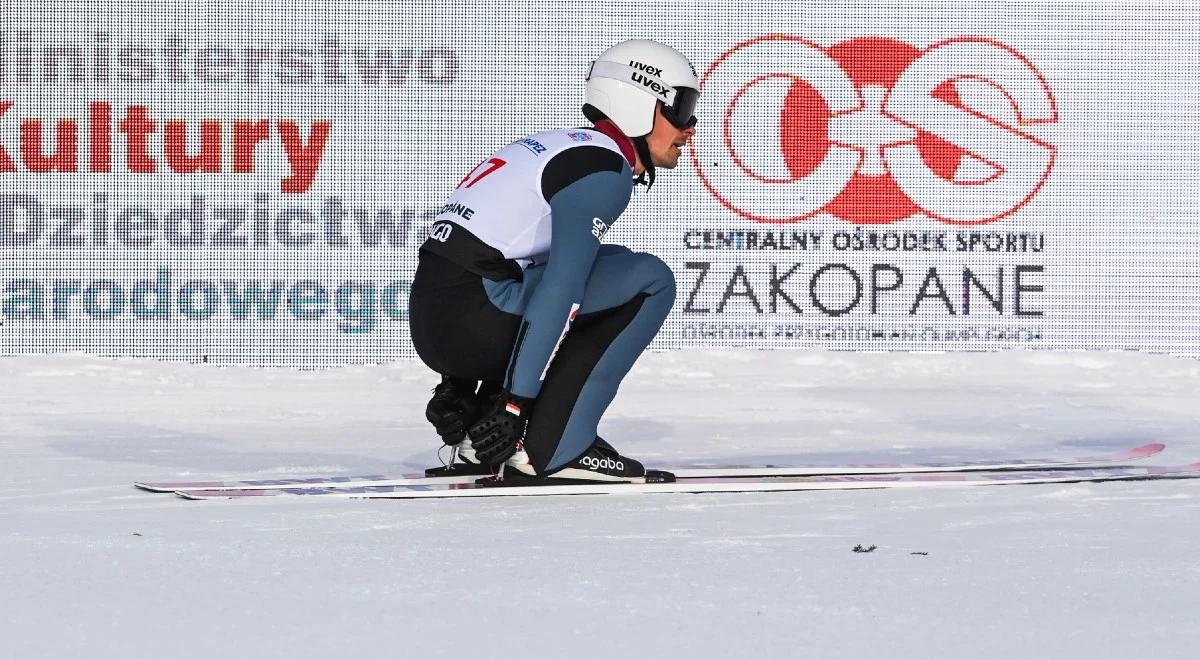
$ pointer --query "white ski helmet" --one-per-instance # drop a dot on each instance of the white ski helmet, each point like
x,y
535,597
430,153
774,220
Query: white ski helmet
x,y
627,81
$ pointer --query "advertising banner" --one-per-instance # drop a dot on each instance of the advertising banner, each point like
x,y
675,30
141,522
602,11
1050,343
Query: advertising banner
x,y
250,185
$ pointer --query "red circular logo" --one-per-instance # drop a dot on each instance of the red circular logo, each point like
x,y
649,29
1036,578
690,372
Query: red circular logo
x,y
874,130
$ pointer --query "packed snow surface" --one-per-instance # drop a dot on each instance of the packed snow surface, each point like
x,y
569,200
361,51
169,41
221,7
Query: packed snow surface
x,y
92,568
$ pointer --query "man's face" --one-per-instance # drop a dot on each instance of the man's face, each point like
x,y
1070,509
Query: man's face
x,y
666,142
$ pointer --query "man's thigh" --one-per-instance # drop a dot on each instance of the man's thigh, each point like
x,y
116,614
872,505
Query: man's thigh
x,y
617,276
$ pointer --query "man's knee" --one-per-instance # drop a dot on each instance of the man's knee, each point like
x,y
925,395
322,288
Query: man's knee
x,y
658,275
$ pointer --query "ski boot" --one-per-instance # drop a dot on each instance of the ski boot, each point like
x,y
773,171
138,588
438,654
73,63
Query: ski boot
x,y
601,463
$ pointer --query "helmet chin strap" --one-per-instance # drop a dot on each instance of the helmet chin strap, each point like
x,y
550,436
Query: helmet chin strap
x,y
646,178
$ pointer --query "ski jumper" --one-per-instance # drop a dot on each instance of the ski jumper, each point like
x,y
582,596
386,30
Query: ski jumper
x,y
514,286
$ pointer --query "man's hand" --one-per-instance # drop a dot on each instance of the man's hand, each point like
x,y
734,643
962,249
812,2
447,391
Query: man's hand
x,y
453,408
499,432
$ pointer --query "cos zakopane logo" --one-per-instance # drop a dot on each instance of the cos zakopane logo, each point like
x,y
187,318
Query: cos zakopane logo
x,y
873,130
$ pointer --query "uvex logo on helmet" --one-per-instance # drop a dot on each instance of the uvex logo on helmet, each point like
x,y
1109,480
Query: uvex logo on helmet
x,y
652,70
647,76
873,130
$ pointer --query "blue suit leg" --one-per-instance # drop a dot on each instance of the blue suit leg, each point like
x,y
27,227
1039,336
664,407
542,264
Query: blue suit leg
x,y
627,297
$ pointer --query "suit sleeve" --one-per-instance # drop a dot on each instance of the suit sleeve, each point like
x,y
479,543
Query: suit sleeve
x,y
587,188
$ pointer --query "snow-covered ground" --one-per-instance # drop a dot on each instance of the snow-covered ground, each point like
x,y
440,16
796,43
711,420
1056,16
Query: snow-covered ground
x,y
92,568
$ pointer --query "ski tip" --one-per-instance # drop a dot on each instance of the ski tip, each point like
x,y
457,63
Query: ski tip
x,y
223,494
1145,450
171,487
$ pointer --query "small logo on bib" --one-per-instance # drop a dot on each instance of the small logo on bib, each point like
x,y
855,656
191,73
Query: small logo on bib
x,y
441,231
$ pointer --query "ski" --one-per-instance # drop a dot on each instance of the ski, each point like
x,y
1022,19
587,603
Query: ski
x,y
352,481
725,485
683,472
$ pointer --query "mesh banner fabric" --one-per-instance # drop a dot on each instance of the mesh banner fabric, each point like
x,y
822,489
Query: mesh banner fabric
x,y
250,185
